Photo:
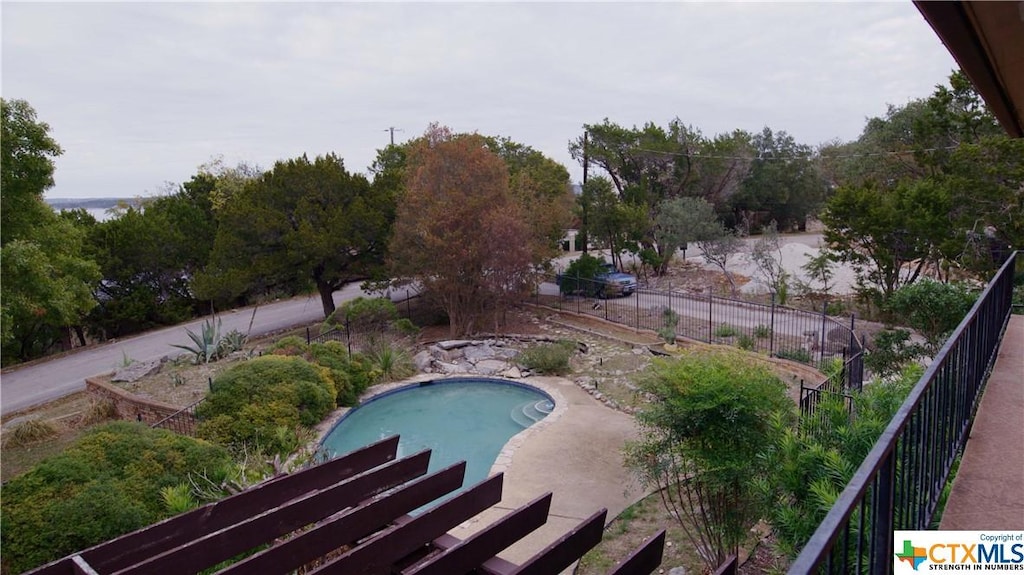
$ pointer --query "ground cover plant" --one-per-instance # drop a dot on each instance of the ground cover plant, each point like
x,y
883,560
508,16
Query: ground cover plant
x,y
105,484
251,402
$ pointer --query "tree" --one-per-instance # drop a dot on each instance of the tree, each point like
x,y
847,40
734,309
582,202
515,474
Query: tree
x,y
888,235
680,222
767,257
821,268
540,188
700,440
46,279
611,221
783,183
459,233
717,246
302,223
986,180
26,170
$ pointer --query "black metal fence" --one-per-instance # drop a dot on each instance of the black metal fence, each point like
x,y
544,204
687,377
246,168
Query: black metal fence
x,y
814,338
183,422
900,482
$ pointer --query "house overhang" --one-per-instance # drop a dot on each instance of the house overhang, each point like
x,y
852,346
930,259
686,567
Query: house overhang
x,y
987,41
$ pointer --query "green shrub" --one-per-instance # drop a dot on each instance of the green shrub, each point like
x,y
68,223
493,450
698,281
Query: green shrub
x,y
291,345
932,308
891,351
762,331
725,330
549,358
107,483
794,354
364,315
746,342
250,400
580,274
352,374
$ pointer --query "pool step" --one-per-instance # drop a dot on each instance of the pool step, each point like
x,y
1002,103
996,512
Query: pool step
x,y
529,413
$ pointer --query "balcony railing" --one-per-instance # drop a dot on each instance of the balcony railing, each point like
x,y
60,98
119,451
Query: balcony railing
x,y
900,482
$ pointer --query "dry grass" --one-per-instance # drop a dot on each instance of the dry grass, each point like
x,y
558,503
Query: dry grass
x,y
30,432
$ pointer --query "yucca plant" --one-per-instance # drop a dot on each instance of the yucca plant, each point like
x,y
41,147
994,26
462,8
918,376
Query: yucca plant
x,y
178,498
207,343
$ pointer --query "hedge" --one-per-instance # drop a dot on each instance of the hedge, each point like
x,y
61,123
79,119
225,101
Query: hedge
x,y
105,484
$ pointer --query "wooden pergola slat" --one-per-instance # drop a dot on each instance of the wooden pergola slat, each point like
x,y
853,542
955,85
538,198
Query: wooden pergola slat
x,y
645,559
379,553
487,543
129,549
567,549
269,525
351,526
353,515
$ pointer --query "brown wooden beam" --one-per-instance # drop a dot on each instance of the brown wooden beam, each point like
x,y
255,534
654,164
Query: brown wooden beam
x,y
136,546
351,526
645,559
554,558
471,552
378,554
226,543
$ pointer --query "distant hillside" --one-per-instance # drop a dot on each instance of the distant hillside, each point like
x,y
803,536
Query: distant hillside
x,y
88,203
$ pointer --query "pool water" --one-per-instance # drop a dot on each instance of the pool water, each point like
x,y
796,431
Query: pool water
x,y
460,420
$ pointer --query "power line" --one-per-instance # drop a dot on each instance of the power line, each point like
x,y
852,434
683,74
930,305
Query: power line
x,y
807,157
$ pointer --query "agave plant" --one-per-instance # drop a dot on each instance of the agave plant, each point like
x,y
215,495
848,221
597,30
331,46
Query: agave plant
x,y
207,343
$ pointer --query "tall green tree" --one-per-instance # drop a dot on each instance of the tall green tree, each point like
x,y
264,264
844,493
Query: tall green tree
x,y
46,279
783,183
610,221
303,223
889,236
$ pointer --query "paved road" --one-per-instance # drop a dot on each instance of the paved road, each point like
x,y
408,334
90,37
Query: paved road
x,y
44,381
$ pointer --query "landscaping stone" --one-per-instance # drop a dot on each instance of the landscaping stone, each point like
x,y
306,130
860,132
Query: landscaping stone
x,y
452,344
422,360
491,366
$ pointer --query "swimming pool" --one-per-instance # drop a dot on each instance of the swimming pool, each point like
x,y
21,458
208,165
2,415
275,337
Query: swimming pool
x,y
458,419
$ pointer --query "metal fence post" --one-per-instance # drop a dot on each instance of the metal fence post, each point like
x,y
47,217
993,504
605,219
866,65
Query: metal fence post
x,y
771,329
881,524
824,318
711,302
637,298
307,335
348,336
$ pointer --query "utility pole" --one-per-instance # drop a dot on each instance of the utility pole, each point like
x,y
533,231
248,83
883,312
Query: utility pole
x,y
393,129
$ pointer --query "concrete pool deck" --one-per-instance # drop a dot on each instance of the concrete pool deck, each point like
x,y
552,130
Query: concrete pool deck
x,y
577,456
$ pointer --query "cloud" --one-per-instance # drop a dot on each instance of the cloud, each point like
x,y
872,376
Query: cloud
x,y
142,93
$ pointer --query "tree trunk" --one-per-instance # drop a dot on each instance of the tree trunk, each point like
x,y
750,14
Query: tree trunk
x,y
326,290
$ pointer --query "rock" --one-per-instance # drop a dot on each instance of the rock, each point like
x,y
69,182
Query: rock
x,y
513,373
491,366
476,354
422,360
677,571
445,367
452,344
136,371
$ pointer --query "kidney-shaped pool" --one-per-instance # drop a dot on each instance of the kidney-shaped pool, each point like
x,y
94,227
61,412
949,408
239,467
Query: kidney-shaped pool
x,y
459,419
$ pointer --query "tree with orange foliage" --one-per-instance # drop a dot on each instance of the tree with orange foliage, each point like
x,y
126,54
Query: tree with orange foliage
x,y
459,233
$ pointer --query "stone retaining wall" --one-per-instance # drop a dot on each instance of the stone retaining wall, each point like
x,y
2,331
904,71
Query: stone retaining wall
x,y
128,406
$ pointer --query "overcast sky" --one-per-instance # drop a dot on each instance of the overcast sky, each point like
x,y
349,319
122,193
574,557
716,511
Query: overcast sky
x,y
139,94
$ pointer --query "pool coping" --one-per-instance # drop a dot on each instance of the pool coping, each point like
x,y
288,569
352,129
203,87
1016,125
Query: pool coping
x,y
505,456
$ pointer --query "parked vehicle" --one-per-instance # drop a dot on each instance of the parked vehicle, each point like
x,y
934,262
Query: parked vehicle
x,y
606,282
